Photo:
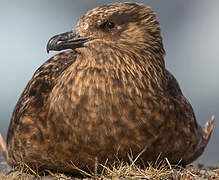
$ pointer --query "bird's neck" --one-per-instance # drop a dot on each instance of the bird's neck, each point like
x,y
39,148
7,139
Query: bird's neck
x,y
140,63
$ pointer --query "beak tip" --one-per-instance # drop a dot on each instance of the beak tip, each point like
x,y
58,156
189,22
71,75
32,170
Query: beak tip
x,y
68,40
49,46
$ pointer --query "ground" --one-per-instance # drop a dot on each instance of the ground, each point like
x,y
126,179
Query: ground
x,y
123,171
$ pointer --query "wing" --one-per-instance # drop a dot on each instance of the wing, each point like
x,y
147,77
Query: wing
x,y
188,135
182,108
34,97
172,85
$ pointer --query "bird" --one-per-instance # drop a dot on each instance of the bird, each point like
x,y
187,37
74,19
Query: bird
x,y
105,95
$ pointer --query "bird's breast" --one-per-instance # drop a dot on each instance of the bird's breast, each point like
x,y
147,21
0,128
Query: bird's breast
x,y
96,93
98,85
91,103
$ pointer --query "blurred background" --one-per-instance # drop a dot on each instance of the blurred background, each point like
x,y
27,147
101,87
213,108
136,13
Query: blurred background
x,y
190,31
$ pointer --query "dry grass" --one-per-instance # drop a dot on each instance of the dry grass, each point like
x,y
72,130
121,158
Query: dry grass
x,y
121,170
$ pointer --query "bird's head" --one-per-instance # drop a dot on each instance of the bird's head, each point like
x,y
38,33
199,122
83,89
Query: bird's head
x,y
119,24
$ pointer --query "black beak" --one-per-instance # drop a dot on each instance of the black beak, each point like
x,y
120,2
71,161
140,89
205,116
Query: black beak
x,y
68,40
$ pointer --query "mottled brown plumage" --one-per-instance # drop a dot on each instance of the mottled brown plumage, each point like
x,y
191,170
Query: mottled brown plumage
x,y
109,95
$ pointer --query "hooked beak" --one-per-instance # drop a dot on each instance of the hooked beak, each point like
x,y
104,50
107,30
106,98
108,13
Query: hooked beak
x,y
68,40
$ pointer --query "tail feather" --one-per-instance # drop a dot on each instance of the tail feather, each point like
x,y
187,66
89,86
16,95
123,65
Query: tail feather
x,y
3,147
209,128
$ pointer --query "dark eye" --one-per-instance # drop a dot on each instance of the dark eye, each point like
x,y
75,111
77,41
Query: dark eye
x,y
108,25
